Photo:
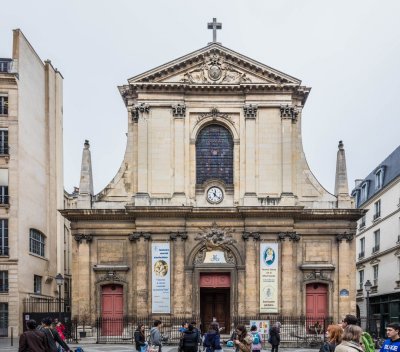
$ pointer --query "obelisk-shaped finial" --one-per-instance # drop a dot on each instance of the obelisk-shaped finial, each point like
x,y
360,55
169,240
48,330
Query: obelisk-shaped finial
x,y
86,182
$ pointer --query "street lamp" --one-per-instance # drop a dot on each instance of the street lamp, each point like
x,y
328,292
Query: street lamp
x,y
60,282
367,287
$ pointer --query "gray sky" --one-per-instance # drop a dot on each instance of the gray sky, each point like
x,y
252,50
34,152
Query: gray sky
x,y
347,51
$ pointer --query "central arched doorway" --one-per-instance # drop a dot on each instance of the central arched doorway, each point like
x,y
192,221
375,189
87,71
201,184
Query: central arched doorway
x,y
215,293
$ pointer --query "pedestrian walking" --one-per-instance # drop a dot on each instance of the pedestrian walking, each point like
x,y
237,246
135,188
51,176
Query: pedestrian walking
x,y
275,336
60,327
212,340
53,338
350,340
140,340
257,339
393,341
32,340
333,338
244,340
155,335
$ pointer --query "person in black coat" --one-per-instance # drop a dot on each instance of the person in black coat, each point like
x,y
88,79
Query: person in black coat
x,y
140,340
190,339
212,340
275,336
52,336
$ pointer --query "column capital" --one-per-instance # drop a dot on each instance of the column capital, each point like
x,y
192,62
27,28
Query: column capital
x,y
139,110
345,236
80,237
292,236
135,236
247,235
179,110
175,235
250,111
289,112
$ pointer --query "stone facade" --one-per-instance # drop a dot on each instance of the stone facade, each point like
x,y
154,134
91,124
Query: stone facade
x,y
31,167
155,196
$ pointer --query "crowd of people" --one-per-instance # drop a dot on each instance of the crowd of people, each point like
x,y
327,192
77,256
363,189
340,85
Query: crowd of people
x,y
47,337
344,337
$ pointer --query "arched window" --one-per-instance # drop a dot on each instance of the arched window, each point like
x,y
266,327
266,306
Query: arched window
x,y
37,242
214,154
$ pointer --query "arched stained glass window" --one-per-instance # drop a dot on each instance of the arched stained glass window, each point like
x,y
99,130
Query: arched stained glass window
x,y
214,154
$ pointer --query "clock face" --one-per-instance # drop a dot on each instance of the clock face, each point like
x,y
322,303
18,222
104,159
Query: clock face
x,y
215,195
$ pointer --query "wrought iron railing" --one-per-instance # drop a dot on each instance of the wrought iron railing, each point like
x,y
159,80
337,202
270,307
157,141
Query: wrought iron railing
x,y
4,250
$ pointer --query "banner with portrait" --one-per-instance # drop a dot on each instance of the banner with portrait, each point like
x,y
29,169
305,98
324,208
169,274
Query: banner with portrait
x,y
269,277
160,275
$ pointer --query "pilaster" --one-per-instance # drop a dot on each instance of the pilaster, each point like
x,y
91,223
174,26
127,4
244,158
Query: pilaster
x,y
251,244
179,287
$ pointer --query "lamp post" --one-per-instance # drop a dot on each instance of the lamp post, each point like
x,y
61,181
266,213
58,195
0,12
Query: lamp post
x,y
367,287
60,282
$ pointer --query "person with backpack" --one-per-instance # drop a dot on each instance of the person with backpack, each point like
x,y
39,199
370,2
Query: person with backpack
x,y
393,341
257,339
333,338
32,340
190,339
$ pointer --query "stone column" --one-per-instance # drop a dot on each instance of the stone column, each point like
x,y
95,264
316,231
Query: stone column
x,y
82,290
288,115
346,274
289,289
178,112
252,294
179,289
143,298
250,113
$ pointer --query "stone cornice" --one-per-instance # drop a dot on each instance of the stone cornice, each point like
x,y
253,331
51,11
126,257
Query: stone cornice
x,y
132,212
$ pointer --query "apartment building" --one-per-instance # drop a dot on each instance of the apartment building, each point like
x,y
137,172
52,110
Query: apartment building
x,y
31,182
378,243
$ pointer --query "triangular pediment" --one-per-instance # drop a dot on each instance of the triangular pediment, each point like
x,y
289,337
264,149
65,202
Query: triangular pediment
x,y
214,64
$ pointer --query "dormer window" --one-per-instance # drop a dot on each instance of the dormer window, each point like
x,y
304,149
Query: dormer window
x,y
379,178
364,192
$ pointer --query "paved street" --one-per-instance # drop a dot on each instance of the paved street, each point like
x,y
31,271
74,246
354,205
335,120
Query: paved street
x,y
5,347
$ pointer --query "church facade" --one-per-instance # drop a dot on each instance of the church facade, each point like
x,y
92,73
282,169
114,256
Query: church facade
x,y
214,211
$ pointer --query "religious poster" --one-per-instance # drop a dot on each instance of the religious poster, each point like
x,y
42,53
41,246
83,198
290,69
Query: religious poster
x,y
161,288
269,278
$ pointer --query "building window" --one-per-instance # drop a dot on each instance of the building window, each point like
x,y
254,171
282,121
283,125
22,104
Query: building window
x,y
3,105
3,281
37,284
361,279
364,192
3,237
376,273
377,208
3,319
379,179
5,65
3,194
214,155
37,242
362,222
361,254
3,141
377,239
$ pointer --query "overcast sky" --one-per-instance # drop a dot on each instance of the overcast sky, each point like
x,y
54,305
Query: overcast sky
x,y
347,51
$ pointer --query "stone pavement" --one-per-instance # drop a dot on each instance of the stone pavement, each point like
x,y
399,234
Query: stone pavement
x,y
5,346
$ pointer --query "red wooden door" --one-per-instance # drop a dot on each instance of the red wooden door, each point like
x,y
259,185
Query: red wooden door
x,y
112,310
316,303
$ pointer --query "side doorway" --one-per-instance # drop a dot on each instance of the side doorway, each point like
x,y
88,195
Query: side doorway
x,y
112,310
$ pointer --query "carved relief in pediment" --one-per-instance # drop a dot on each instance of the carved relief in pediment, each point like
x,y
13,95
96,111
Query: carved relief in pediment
x,y
215,237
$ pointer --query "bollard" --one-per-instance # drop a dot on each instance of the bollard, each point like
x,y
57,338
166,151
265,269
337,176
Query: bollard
x,y
12,336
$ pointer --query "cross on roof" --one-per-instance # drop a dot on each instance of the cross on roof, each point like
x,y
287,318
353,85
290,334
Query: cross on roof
x,y
214,25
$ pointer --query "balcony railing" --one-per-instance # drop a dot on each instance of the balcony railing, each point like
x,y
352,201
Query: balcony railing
x,y
4,150
4,199
4,250
375,248
361,255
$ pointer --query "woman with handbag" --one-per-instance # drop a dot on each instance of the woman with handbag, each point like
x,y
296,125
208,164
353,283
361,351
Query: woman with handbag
x,y
244,340
140,341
